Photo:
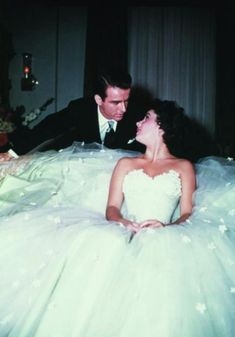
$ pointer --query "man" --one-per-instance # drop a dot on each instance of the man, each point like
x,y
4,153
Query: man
x,y
93,119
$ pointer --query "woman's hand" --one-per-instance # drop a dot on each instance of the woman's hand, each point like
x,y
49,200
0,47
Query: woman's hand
x,y
134,227
151,224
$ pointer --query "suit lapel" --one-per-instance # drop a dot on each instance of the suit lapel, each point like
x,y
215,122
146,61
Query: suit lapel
x,y
91,125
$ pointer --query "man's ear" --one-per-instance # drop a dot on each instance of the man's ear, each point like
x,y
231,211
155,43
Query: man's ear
x,y
98,99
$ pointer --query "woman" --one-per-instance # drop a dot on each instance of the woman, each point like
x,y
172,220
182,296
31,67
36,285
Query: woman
x,y
67,271
178,290
157,162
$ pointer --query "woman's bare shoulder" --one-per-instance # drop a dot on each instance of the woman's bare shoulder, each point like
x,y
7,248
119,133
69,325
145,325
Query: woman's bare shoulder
x,y
128,162
184,165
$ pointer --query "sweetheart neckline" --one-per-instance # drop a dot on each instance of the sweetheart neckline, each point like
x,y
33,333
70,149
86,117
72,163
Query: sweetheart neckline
x,y
157,175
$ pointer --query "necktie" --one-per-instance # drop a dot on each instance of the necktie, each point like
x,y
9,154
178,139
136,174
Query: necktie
x,y
109,136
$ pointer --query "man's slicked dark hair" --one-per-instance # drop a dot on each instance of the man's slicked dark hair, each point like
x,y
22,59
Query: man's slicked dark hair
x,y
111,78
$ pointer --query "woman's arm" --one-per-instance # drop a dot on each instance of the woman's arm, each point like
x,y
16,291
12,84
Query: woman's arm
x,y
116,197
188,181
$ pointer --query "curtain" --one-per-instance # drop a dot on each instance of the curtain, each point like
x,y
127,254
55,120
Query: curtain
x,y
172,53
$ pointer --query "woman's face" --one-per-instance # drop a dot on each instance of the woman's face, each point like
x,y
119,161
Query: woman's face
x,y
148,129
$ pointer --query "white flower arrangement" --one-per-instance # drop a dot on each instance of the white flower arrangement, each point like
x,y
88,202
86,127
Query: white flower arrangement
x,y
6,126
31,116
35,113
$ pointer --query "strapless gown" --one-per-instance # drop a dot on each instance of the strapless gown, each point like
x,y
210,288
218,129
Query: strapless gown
x,y
67,272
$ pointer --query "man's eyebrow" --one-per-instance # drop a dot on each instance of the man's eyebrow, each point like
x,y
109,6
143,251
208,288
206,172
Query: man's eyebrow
x,y
118,101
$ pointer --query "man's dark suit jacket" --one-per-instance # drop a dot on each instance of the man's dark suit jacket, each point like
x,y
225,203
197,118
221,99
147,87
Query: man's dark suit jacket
x,y
77,122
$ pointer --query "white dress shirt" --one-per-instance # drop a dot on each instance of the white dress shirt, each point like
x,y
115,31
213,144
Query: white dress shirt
x,y
103,124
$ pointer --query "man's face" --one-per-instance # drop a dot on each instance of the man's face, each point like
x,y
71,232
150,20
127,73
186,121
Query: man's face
x,y
115,103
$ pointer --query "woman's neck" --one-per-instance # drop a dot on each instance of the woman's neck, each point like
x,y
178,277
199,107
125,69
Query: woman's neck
x,y
160,153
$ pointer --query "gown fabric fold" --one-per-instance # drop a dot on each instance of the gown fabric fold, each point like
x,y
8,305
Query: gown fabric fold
x,y
68,272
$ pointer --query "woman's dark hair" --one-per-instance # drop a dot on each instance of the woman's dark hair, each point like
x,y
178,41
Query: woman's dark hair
x,y
173,121
114,78
184,136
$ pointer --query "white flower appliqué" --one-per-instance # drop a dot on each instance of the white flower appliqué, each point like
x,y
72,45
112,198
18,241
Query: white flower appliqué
x,y
223,228
211,246
185,239
232,212
201,307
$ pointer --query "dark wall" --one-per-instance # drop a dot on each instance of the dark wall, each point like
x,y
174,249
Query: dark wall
x,y
56,38
107,41
6,54
225,103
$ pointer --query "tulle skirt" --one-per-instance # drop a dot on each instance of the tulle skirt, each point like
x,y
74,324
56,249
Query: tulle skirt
x,y
66,271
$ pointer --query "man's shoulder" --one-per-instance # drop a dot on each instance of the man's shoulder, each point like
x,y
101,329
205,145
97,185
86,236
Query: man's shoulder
x,y
82,102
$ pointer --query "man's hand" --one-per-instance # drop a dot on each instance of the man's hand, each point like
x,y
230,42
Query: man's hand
x,y
5,156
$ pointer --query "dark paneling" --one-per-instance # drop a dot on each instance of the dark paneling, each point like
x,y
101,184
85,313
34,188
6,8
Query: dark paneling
x,y
107,41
